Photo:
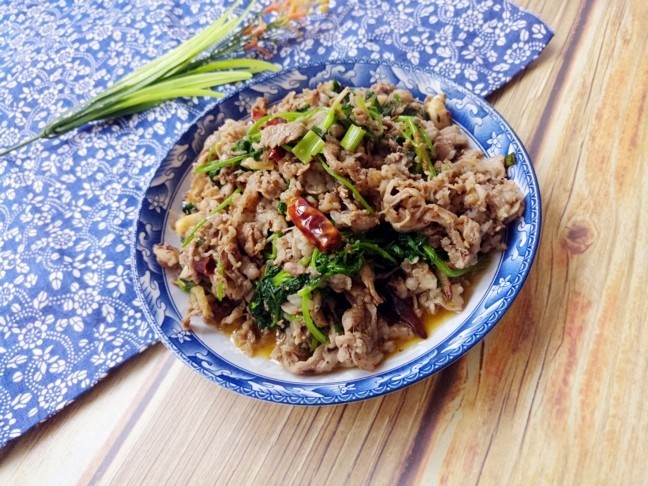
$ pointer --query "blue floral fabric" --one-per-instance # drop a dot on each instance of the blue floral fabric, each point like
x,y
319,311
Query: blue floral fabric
x,y
68,310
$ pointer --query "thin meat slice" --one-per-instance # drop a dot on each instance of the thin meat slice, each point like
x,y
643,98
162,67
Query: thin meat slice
x,y
281,134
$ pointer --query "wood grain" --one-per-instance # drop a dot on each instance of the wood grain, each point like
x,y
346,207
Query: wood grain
x,y
554,395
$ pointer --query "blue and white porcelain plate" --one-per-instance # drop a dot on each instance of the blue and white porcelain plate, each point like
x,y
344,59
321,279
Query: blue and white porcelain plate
x,y
213,355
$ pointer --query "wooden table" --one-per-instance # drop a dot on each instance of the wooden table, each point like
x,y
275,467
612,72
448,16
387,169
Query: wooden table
x,y
556,394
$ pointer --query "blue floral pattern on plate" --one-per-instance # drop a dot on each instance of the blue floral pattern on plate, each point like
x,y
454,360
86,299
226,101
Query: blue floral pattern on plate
x,y
475,116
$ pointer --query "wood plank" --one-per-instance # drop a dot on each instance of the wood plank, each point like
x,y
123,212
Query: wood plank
x,y
563,408
219,427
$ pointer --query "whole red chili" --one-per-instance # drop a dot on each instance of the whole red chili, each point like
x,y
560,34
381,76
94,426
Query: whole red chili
x,y
314,225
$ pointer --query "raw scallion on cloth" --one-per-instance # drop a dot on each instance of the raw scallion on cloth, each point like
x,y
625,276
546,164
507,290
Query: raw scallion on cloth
x,y
192,69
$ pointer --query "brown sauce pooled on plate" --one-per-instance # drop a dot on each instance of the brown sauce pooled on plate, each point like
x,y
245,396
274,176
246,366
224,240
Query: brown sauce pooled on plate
x,y
268,343
432,322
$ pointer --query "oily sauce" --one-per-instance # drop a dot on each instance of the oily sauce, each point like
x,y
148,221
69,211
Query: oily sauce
x,y
431,322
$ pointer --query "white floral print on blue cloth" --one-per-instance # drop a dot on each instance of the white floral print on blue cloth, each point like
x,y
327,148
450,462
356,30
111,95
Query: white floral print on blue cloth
x,y
68,311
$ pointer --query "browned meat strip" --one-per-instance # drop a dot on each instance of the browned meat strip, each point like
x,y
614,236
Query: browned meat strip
x,y
167,256
281,134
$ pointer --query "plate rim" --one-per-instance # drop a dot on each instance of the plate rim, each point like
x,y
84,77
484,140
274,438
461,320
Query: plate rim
x,y
298,397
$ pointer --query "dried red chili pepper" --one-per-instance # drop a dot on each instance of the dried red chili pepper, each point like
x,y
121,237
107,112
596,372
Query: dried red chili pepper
x,y
276,121
257,112
314,225
276,153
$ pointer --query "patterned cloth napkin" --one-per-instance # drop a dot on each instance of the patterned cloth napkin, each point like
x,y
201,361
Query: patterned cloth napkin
x,y
68,311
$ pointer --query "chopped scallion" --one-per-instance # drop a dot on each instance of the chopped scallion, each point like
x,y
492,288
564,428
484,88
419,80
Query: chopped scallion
x,y
442,266
220,291
329,119
219,164
185,285
254,131
360,101
308,147
510,160
352,138
414,133
273,241
305,295
318,131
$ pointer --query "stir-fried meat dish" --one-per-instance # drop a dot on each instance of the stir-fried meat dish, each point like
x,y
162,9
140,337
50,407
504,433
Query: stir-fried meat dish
x,y
334,221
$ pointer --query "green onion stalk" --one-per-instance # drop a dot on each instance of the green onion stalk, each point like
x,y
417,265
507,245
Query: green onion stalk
x,y
308,147
346,183
191,69
352,138
421,142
